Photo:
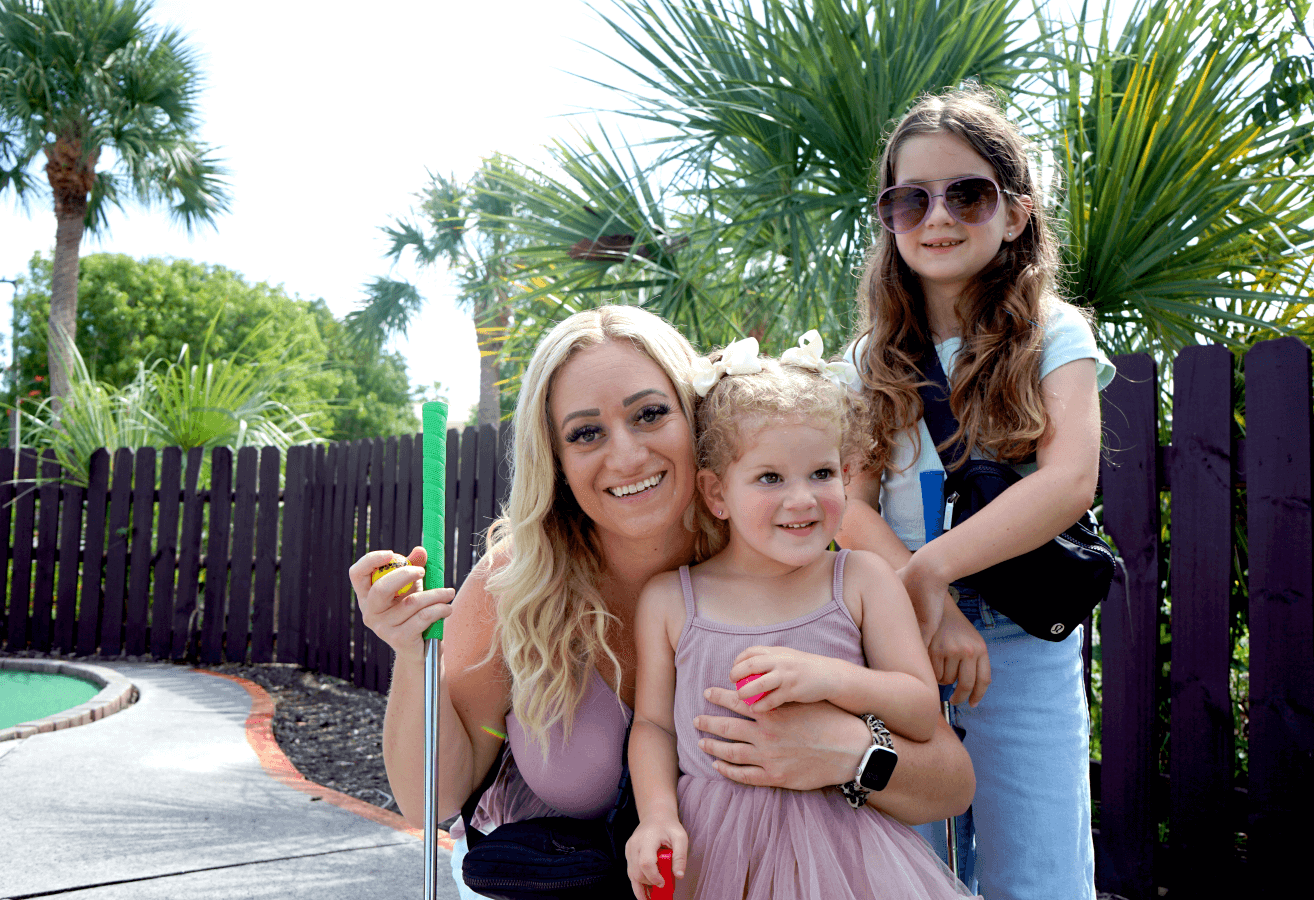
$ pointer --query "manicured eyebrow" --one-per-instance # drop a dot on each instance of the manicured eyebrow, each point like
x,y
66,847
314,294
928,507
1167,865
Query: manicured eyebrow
x,y
640,395
580,414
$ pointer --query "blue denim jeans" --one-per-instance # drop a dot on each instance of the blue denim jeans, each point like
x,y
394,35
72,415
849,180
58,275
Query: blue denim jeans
x,y
1029,739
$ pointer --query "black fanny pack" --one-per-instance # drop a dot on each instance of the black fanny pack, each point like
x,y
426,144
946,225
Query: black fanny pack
x,y
1048,591
551,856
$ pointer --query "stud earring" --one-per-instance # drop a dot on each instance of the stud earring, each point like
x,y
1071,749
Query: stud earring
x,y
1009,235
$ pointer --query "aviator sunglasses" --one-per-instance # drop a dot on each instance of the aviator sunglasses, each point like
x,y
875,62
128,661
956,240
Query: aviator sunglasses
x,y
971,200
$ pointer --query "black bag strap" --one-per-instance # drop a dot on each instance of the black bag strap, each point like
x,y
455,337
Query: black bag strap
x,y
938,414
473,835
936,411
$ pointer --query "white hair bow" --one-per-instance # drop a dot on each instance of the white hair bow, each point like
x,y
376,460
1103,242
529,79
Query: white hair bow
x,y
810,354
738,358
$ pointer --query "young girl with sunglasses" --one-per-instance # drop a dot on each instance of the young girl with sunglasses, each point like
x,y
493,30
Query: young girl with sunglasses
x,y
772,610
964,266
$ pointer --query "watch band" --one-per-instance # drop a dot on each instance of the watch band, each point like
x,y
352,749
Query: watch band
x,y
853,791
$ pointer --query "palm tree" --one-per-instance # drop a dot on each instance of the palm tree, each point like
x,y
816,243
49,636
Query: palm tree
x,y
453,229
82,77
747,215
1189,191
1185,145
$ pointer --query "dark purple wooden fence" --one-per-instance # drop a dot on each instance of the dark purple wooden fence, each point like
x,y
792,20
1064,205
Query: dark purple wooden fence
x,y
147,561
144,561
1219,475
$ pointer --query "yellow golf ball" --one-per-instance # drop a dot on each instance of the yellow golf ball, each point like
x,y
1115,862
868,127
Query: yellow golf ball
x,y
395,563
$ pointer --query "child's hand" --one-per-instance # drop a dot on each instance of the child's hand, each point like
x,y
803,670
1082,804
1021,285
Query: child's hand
x,y
653,834
785,675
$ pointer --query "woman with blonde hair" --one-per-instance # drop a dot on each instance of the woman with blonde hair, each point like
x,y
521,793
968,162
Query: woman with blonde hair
x,y
540,647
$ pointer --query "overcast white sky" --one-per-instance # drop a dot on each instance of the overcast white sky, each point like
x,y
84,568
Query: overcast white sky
x,y
328,117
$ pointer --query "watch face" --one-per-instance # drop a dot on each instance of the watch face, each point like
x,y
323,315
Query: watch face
x,y
877,768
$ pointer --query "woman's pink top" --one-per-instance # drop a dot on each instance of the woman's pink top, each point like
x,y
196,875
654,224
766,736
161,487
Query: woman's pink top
x,y
575,778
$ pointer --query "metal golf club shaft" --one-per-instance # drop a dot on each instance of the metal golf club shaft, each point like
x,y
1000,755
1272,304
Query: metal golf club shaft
x,y
434,452
433,655
950,824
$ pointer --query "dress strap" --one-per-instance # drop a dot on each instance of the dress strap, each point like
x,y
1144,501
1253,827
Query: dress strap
x,y
837,584
690,609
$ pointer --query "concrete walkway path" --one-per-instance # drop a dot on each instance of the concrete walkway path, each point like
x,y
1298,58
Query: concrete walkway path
x,y
170,798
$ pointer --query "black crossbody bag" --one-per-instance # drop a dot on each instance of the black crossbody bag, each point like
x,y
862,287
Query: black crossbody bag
x,y
1049,591
552,856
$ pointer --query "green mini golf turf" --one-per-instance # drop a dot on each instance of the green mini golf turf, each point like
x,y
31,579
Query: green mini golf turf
x,y
25,696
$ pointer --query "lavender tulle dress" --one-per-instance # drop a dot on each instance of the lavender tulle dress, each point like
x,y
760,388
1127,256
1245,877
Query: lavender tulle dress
x,y
763,843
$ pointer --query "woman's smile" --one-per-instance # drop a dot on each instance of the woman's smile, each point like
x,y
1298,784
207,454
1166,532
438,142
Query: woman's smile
x,y
637,487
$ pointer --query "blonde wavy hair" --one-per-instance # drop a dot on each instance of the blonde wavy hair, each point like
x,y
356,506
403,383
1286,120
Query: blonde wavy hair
x,y
995,392
551,619
780,393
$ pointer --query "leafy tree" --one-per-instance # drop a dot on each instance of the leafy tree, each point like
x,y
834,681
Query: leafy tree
x,y
136,311
453,229
82,77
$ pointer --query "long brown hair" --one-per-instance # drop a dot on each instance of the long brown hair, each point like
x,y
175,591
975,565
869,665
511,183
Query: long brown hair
x,y
995,391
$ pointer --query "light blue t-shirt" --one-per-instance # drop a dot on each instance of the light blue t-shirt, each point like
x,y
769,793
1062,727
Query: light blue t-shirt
x,y
912,496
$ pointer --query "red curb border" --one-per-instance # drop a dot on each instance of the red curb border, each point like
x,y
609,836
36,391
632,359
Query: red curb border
x,y
260,735
116,693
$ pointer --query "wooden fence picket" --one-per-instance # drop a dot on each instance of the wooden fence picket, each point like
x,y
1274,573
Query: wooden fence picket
x,y
169,506
216,556
116,553
72,498
1200,730
378,657
21,558
43,579
1278,482
139,552
266,558
7,492
241,566
93,553
465,506
290,647
1130,634
189,556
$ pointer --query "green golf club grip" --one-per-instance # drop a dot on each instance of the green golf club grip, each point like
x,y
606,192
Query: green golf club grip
x,y
435,500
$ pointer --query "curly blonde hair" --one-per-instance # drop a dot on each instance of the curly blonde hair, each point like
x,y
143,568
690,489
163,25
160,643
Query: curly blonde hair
x,y
781,392
995,391
551,619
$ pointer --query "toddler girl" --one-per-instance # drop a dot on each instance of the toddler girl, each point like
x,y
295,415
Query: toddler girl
x,y
773,604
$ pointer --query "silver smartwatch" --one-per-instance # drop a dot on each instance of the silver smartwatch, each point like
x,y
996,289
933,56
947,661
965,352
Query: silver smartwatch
x,y
876,766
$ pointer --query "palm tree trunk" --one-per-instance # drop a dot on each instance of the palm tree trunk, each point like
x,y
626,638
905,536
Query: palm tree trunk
x,y
491,332
71,173
63,305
